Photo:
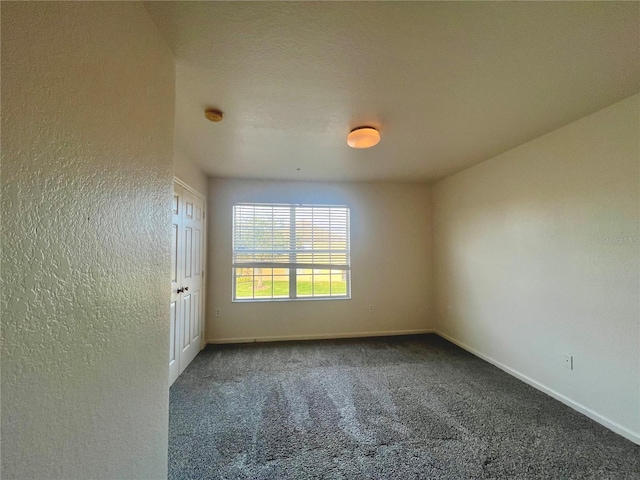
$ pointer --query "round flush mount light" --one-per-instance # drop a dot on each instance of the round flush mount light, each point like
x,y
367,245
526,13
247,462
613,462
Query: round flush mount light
x,y
363,137
213,115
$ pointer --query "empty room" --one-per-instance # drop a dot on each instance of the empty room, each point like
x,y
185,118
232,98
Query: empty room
x,y
320,240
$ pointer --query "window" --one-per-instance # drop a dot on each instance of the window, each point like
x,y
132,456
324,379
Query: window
x,y
285,251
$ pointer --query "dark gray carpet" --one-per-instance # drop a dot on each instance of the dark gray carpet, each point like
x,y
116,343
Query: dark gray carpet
x,y
393,408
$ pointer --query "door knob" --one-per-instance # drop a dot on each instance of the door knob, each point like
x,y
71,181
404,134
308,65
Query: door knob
x,y
180,290
186,289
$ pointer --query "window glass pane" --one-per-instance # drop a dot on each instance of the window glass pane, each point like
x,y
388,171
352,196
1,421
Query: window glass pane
x,y
304,286
321,282
281,284
244,284
338,282
262,285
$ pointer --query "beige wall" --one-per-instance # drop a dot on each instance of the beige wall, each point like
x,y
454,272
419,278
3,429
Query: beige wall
x,y
390,263
87,140
536,256
189,173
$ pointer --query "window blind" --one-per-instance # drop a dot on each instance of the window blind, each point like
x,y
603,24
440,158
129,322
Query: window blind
x,y
291,236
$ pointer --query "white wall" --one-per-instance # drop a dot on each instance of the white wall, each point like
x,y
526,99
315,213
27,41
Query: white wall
x,y
536,253
188,172
87,144
390,263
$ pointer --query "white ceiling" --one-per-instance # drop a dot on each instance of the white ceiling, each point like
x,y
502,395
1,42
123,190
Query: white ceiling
x,y
447,84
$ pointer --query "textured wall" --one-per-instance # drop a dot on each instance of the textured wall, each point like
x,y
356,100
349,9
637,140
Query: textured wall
x,y
536,256
390,263
87,138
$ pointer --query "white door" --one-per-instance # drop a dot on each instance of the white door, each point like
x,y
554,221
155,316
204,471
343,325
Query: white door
x,y
187,297
192,297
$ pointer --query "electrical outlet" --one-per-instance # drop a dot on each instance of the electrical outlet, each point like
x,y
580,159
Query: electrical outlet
x,y
371,308
217,312
568,362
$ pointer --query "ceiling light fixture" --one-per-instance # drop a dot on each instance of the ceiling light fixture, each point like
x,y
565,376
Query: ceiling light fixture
x,y
363,137
213,115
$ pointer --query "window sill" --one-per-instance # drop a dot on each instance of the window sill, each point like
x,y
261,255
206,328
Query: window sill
x,y
274,300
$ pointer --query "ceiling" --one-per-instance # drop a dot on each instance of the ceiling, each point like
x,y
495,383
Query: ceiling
x,y
447,84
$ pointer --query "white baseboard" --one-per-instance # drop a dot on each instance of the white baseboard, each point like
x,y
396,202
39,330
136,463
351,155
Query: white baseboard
x,y
320,336
611,425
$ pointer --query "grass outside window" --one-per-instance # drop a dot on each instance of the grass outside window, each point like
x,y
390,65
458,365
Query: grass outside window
x,y
265,284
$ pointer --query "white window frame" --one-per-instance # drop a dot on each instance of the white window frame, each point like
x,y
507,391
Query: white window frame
x,y
293,266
